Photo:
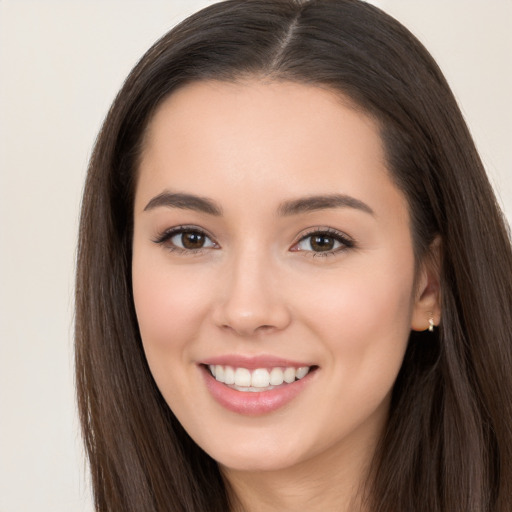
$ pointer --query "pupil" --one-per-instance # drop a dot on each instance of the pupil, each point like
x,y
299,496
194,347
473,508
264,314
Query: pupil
x,y
322,243
192,240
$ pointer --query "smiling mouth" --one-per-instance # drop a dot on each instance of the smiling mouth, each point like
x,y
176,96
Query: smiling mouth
x,y
259,379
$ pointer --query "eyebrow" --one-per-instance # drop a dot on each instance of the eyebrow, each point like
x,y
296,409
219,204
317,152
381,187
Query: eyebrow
x,y
184,202
322,202
293,207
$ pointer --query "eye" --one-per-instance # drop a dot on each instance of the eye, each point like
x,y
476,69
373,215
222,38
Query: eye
x,y
191,240
186,239
323,242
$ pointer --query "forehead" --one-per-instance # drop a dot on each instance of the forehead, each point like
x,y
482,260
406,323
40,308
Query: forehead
x,y
261,136
263,108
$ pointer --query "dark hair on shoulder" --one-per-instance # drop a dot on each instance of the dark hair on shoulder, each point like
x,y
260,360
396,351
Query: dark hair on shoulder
x,y
448,443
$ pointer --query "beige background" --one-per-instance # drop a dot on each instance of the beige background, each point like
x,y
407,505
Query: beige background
x,y
61,63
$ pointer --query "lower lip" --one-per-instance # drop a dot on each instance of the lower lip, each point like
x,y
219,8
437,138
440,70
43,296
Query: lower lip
x,y
254,403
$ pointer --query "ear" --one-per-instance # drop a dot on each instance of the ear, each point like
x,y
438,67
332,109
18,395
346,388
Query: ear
x,y
427,298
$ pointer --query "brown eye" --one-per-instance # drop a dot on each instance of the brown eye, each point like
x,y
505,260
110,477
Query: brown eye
x,y
326,242
192,240
321,243
186,239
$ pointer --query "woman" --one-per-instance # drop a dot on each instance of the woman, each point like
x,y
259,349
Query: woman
x,y
294,283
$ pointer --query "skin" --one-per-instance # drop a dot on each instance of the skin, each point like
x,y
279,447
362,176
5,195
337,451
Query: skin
x,y
257,287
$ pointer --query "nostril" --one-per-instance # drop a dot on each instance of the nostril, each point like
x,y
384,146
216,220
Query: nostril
x,y
248,314
248,330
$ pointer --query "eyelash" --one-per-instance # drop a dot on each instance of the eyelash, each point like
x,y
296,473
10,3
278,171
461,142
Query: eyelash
x,y
167,235
344,240
339,237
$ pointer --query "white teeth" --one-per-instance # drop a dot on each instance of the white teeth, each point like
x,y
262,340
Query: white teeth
x,y
259,379
302,372
289,375
276,377
242,377
219,373
229,375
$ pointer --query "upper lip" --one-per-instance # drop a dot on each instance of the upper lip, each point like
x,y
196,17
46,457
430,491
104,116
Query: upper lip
x,y
253,362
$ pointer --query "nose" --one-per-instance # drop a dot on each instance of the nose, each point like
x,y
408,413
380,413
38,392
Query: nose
x,y
252,300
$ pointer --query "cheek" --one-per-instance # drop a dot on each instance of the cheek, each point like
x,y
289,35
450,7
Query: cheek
x,y
365,314
364,322
169,303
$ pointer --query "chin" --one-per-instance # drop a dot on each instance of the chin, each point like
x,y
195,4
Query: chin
x,y
255,463
261,453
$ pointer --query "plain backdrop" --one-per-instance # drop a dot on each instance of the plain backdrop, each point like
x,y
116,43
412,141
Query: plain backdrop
x,y
61,63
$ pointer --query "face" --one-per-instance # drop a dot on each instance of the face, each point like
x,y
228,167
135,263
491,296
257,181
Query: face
x,y
273,271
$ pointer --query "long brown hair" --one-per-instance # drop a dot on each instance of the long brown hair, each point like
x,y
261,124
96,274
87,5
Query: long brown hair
x,y
448,443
